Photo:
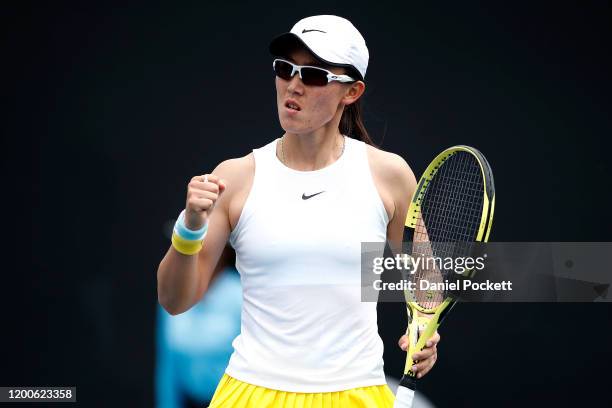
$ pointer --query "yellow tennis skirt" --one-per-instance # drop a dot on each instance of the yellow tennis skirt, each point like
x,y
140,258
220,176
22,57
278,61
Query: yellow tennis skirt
x,y
234,393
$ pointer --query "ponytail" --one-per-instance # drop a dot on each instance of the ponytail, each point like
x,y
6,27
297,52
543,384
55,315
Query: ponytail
x,y
351,123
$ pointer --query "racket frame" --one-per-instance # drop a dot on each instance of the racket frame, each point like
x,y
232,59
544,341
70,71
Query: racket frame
x,y
423,322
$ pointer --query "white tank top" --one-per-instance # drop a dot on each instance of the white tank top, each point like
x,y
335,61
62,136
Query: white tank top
x,y
297,241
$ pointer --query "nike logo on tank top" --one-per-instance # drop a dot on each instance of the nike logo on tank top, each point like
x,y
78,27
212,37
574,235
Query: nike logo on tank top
x,y
297,241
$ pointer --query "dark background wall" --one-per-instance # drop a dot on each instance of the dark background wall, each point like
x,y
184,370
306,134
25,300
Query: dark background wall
x,y
112,108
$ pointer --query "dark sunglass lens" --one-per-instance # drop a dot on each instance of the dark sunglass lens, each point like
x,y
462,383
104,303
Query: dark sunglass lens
x,y
283,69
314,76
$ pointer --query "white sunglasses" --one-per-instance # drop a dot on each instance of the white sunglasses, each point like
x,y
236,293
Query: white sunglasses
x,y
308,74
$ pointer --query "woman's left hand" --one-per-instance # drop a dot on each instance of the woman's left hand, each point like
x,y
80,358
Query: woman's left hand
x,y
426,358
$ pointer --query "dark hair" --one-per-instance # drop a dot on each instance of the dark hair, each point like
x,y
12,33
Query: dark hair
x,y
351,123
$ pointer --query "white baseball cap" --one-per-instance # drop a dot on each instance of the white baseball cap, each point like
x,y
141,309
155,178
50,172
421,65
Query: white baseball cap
x,y
333,40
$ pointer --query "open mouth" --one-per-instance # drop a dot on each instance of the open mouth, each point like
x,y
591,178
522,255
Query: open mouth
x,y
292,106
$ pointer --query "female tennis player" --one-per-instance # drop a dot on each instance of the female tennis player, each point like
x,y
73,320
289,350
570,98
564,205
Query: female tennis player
x,y
296,211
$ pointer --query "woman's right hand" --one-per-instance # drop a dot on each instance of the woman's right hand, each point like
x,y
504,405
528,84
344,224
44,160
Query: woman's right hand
x,y
202,194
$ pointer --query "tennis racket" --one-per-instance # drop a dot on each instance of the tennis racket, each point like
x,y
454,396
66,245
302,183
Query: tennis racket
x,y
451,209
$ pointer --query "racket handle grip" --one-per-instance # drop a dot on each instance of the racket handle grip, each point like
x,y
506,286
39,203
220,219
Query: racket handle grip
x,y
408,381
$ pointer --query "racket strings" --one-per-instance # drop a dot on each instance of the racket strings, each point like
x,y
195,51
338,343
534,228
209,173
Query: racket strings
x,y
448,223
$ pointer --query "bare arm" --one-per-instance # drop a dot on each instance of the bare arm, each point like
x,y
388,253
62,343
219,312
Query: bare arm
x,y
182,280
402,186
396,183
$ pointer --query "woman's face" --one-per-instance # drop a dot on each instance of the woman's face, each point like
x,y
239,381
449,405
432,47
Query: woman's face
x,y
316,105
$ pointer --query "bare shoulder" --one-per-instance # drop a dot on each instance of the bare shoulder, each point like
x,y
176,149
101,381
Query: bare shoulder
x,y
238,175
391,168
236,172
238,167
394,181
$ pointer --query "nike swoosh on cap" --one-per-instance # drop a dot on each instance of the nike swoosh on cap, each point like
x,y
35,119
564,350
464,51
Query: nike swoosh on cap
x,y
306,197
307,31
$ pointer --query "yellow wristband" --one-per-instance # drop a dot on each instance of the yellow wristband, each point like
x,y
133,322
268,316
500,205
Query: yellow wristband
x,y
184,246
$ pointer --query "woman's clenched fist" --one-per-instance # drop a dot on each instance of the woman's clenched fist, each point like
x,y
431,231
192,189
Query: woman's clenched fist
x,y
202,193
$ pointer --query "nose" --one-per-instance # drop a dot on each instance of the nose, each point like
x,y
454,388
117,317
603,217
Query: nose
x,y
296,85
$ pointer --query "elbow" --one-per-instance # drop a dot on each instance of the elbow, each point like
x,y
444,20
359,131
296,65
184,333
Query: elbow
x,y
172,309
172,304
168,303
164,296
173,312
174,297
